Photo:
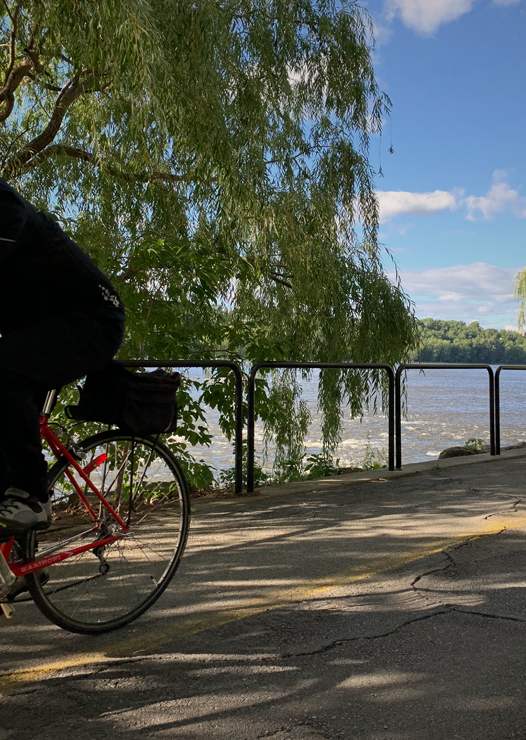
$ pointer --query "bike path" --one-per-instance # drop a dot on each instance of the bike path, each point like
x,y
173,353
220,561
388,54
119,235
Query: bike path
x,y
320,613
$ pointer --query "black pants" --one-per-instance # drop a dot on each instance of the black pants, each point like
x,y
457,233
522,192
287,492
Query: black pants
x,y
47,354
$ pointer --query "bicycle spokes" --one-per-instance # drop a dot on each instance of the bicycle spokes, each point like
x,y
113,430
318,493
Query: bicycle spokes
x,y
114,573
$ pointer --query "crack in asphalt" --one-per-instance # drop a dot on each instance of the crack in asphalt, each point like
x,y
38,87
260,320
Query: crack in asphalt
x,y
346,640
446,553
447,609
513,510
463,610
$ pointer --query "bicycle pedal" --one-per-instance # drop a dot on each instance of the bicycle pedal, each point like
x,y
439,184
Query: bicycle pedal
x,y
8,610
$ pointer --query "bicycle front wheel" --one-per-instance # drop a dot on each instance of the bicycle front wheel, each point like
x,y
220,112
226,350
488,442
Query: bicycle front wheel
x,y
106,587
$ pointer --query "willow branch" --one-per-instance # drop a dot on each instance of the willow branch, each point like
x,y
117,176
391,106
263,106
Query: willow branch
x,y
276,273
7,94
12,38
279,280
6,6
71,91
56,150
15,73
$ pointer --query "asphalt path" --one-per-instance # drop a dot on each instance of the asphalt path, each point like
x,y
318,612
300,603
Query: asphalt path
x,y
384,610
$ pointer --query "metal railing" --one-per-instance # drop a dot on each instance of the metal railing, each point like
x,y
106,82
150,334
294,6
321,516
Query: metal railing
x,y
497,400
238,410
440,366
311,366
394,401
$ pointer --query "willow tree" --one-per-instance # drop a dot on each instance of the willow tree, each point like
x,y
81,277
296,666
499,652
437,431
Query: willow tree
x,y
212,157
520,294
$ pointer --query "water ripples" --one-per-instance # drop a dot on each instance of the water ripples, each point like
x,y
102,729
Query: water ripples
x,y
444,408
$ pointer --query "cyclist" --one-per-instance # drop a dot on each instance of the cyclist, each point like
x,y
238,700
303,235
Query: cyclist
x,y
60,318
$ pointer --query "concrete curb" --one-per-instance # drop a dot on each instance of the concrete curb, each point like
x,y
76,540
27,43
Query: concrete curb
x,y
321,485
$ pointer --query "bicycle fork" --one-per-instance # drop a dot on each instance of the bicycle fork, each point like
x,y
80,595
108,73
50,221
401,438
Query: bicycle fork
x,y
7,579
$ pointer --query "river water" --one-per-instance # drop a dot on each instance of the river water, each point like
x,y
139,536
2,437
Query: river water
x,y
444,408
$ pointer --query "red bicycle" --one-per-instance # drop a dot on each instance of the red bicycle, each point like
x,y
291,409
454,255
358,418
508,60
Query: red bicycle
x,y
119,527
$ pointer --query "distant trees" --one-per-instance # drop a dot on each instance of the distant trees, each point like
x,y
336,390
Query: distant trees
x,y
455,341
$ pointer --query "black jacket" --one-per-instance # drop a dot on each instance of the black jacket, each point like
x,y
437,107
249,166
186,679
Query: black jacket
x,y
43,272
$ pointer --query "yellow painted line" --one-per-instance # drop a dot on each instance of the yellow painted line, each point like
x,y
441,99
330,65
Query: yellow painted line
x,y
273,600
11,681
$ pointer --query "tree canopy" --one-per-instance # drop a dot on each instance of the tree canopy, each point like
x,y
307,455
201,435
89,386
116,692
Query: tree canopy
x,y
213,158
455,341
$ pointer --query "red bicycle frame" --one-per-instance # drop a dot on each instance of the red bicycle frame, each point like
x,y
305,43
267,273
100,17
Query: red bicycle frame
x,y
59,450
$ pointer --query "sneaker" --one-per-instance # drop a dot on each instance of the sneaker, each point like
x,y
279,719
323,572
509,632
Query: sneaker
x,y
18,512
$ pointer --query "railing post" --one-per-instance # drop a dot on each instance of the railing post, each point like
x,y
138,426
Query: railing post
x,y
238,440
391,418
491,411
251,393
497,410
398,415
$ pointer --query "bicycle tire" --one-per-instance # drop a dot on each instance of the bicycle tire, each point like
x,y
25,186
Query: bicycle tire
x,y
97,592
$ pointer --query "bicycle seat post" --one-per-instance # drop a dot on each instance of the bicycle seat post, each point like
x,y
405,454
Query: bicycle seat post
x,y
49,403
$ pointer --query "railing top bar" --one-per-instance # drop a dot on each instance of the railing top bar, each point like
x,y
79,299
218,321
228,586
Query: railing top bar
x,y
442,366
508,367
322,366
182,363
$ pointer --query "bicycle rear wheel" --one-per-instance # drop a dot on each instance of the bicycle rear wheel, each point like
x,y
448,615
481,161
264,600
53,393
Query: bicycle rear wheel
x,y
105,588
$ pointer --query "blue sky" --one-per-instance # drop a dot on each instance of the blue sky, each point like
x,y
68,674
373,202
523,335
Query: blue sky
x,y
453,195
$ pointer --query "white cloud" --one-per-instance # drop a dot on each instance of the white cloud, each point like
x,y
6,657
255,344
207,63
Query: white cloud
x,y
394,203
426,16
475,292
501,197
